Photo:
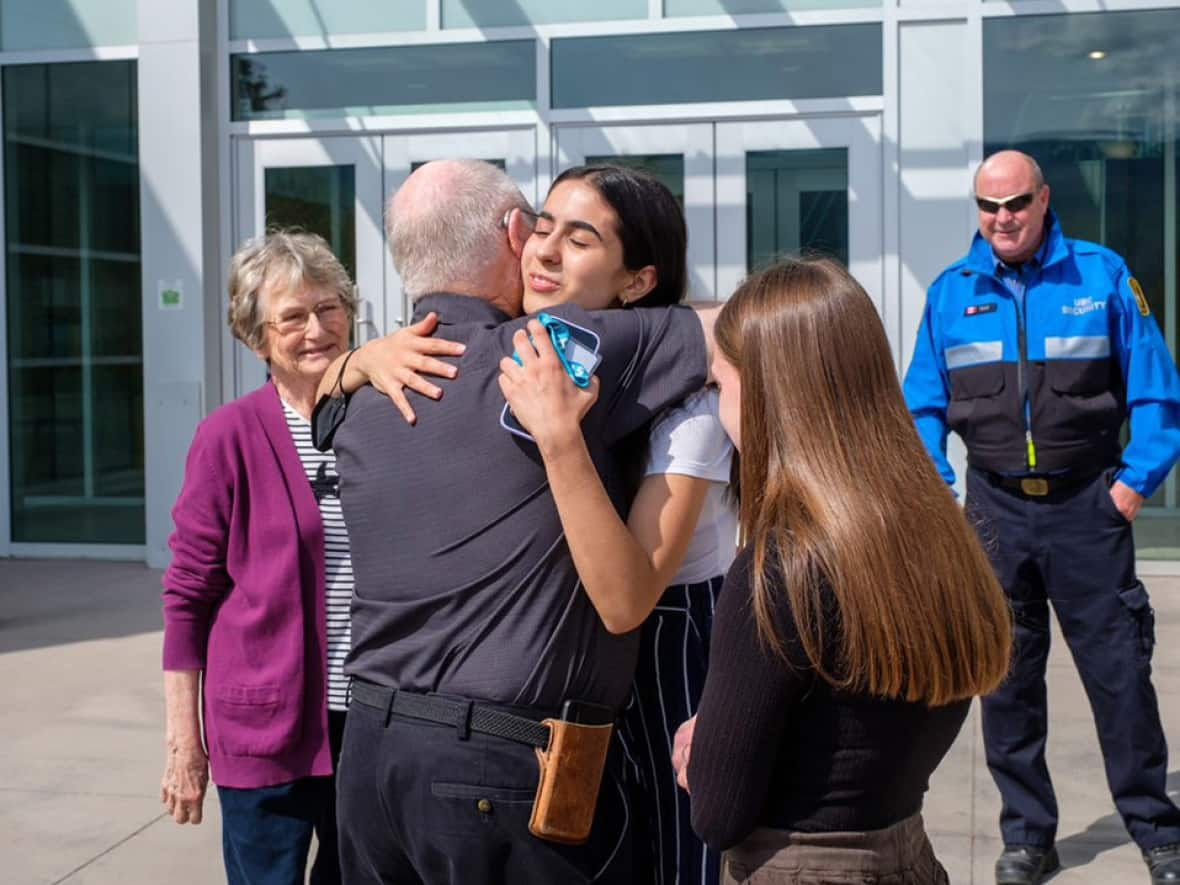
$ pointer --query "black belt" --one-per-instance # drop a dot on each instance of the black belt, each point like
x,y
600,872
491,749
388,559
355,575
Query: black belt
x,y
466,716
1040,486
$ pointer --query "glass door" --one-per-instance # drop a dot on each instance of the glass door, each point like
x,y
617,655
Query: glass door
x,y
681,156
513,150
337,187
791,186
329,186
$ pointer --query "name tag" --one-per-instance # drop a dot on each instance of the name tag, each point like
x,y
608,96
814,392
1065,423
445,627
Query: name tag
x,y
974,310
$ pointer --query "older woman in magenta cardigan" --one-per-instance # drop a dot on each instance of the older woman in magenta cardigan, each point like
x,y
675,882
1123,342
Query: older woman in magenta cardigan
x,y
247,596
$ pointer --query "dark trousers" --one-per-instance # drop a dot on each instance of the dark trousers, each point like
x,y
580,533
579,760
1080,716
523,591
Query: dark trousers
x,y
421,805
266,831
669,678
1073,549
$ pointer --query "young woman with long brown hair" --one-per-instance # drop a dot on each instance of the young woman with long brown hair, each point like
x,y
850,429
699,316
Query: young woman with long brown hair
x,y
860,617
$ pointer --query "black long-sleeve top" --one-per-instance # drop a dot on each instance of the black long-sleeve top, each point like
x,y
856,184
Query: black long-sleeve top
x,y
776,746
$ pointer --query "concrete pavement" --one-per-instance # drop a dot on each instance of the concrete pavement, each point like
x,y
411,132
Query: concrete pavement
x,y
83,745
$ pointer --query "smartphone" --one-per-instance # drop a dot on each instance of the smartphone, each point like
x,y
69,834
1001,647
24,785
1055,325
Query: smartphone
x,y
581,348
586,713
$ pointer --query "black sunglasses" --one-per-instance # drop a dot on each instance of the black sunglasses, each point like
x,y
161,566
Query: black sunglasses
x,y
1013,204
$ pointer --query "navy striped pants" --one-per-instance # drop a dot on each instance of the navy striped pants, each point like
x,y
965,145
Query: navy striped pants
x,y
669,679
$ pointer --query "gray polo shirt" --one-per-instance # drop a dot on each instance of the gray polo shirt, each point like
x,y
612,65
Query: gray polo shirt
x,y
464,582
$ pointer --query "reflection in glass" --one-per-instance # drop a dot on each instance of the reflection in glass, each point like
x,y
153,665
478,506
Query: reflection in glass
x,y
746,7
75,351
511,13
38,25
796,200
452,77
318,199
668,169
746,64
1093,98
263,19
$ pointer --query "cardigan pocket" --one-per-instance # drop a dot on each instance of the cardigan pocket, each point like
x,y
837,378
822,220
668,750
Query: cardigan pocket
x,y
252,720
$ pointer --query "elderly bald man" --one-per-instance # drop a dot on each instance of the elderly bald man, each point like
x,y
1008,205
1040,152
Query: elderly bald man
x,y
1035,348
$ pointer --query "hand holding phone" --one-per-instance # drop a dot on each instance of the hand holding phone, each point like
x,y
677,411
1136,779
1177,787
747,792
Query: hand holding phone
x,y
527,381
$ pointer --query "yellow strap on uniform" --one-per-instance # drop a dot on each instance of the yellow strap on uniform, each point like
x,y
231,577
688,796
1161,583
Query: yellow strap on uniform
x,y
1032,450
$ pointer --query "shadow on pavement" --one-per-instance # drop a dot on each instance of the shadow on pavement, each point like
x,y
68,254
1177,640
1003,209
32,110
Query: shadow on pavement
x,y
53,602
1081,848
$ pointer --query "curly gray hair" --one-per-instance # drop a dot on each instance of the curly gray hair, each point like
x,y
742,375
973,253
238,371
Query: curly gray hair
x,y
286,259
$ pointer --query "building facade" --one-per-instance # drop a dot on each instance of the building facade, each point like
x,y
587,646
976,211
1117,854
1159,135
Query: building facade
x,y
143,141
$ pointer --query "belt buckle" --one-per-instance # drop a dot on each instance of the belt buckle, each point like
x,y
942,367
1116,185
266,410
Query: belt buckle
x,y
1034,486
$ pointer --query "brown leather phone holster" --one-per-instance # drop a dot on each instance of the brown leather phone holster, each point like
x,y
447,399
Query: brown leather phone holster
x,y
571,774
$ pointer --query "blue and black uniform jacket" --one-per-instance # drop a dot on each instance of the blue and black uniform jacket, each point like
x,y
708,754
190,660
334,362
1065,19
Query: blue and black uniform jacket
x,y
1041,382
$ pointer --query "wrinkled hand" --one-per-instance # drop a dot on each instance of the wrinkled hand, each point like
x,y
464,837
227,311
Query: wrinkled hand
x,y
682,750
543,397
398,361
1126,499
182,790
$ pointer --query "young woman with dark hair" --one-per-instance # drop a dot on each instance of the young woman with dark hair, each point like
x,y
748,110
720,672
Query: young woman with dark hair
x,y
860,617
612,236
648,223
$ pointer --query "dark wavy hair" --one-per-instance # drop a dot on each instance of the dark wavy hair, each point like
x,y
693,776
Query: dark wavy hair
x,y
651,226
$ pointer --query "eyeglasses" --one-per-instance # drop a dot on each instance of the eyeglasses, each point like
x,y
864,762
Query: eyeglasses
x,y
1014,203
326,312
530,217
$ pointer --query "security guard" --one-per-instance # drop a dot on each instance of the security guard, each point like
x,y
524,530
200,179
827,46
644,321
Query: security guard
x,y
1034,348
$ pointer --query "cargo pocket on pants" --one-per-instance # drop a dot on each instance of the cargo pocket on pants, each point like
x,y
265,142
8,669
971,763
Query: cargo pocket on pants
x,y
1135,601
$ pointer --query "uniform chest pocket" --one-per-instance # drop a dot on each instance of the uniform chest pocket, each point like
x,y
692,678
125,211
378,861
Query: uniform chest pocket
x,y
1081,405
1078,377
981,405
975,369
976,381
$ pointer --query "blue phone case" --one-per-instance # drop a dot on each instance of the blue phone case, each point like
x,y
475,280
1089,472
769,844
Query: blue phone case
x,y
582,348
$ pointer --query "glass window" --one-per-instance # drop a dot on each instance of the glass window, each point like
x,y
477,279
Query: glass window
x,y
67,24
385,80
1093,98
796,201
748,64
668,169
262,19
75,352
745,7
318,199
508,13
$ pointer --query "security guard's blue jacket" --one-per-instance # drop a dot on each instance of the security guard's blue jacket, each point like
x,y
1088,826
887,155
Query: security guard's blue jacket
x,y
1044,386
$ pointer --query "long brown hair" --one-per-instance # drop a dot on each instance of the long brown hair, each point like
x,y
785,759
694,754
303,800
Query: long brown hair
x,y
841,501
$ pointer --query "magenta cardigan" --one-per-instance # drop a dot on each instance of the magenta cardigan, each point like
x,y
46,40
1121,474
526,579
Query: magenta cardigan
x,y
244,596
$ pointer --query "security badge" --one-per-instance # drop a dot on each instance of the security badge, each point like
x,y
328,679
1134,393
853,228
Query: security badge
x,y
1140,298
976,309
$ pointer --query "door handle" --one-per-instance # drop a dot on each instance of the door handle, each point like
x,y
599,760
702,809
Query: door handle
x,y
361,320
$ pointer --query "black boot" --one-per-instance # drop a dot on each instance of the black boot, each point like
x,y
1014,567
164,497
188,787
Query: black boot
x,y
1027,865
1164,863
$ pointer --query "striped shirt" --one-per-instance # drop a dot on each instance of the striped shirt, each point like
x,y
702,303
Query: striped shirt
x,y
338,581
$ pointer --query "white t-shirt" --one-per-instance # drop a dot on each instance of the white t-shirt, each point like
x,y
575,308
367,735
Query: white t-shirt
x,y
688,439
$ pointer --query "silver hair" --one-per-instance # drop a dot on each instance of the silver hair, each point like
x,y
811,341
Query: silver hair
x,y
287,259
1033,165
449,234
